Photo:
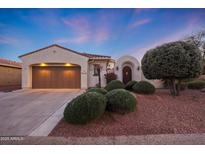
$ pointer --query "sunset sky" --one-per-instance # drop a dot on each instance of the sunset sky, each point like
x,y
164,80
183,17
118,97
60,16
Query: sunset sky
x,y
113,32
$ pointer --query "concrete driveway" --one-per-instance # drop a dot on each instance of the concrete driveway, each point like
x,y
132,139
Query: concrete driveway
x,y
23,111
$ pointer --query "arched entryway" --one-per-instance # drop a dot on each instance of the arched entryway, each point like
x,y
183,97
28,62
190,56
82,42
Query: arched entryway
x,y
128,68
126,74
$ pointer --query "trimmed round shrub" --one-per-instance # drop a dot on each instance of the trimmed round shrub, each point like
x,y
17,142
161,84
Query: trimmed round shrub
x,y
98,90
114,84
121,101
144,87
130,84
85,108
197,84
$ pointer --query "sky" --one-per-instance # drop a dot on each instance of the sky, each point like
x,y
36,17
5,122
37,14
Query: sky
x,y
113,32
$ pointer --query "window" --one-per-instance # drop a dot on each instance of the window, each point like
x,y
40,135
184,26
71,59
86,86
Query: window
x,y
96,67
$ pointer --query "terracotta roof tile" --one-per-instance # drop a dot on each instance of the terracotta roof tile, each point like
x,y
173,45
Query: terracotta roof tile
x,y
9,62
95,56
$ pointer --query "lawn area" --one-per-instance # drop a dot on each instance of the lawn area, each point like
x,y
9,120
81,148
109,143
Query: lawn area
x,y
159,113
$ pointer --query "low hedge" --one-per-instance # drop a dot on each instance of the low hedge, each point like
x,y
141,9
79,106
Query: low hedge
x,y
85,108
114,84
98,90
196,84
121,101
143,87
130,84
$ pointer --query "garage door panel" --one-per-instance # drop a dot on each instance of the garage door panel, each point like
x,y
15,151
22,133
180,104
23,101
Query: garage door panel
x,y
56,77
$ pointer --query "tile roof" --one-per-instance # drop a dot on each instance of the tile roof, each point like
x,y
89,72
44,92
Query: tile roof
x,y
82,54
95,56
11,63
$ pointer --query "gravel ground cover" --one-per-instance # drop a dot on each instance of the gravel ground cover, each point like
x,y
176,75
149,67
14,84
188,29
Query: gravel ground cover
x,y
159,113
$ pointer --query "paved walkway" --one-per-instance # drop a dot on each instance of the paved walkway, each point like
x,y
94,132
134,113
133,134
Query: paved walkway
x,y
23,111
164,139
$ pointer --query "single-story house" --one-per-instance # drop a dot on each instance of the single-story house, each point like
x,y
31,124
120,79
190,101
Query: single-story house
x,y
59,67
10,75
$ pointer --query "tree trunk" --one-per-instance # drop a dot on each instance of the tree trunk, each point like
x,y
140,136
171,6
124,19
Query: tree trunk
x,y
178,87
173,87
170,87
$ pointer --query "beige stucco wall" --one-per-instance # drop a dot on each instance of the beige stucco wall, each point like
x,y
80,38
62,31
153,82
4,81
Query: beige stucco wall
x,y
93,80
128,61
156,83
53,54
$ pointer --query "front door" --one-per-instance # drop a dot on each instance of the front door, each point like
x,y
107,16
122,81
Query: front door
x,y
127,74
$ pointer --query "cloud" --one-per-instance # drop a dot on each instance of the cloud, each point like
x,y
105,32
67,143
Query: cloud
x,y
84,30
138,23
102,35
44,18
75,40
192,25
8,40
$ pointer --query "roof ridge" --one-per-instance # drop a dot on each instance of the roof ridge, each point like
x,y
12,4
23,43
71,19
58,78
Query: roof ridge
x,y
88,55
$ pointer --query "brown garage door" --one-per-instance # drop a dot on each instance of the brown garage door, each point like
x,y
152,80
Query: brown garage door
x,y
56,77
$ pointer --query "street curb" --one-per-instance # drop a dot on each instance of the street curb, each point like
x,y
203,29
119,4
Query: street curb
x,y
160,139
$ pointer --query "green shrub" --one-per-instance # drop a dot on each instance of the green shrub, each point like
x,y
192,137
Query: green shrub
x,y
197,84
114,84
121,101
98,90
130,84
144,87
85,108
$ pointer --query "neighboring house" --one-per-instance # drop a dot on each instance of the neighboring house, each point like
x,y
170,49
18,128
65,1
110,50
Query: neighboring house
x,y
59,67
10,75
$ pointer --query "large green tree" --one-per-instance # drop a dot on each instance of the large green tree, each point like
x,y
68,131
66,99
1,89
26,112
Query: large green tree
x,y
173,62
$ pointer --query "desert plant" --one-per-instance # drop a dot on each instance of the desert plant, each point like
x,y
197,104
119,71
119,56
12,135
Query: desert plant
x,y
114,84
110,77
144,87
85,108
197,84
130,84
98,90
121,101
173,61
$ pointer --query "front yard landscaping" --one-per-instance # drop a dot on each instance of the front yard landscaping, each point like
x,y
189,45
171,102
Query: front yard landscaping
x,y
179,64
159,113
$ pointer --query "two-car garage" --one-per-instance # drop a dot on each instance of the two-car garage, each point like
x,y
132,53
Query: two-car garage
x,y
56,77
54,67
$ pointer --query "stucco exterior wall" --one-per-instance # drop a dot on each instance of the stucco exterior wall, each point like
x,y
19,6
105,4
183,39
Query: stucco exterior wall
x,y
93,80
128,61
156,83
53,54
